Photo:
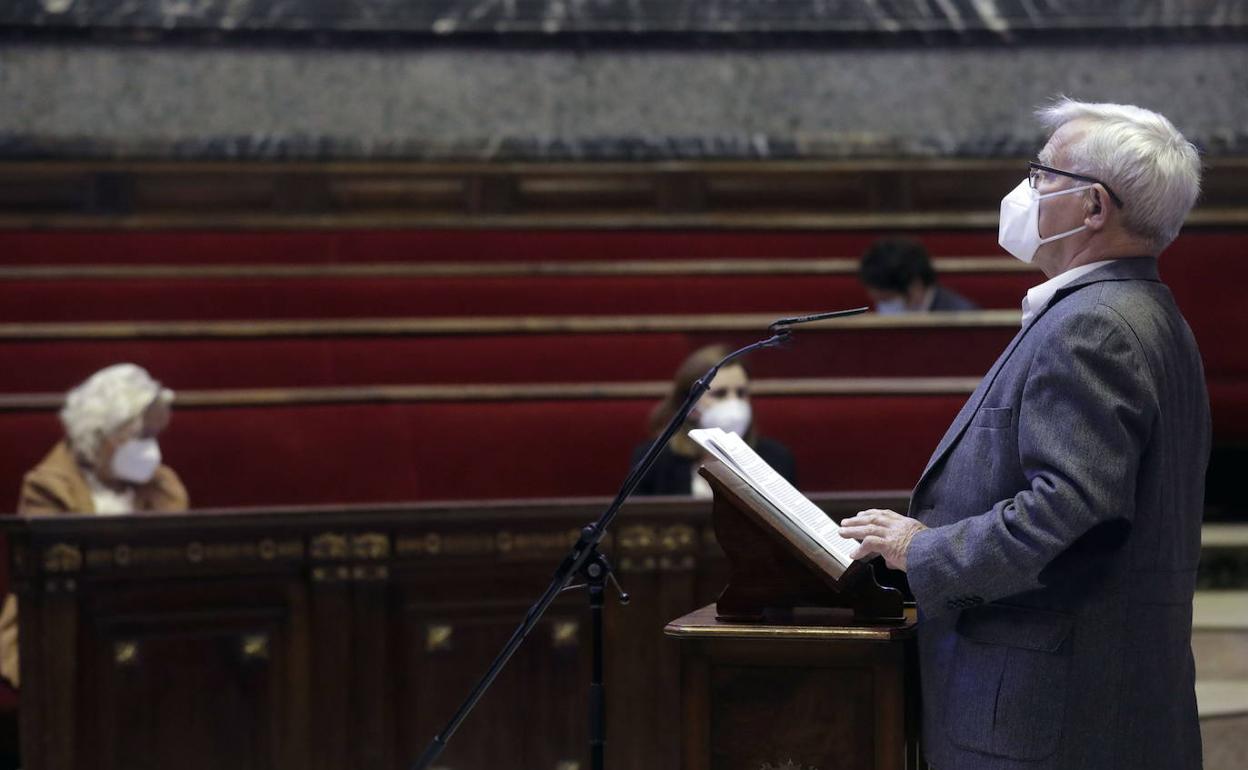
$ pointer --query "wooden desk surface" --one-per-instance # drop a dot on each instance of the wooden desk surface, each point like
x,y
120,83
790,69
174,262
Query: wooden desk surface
x,y
702,624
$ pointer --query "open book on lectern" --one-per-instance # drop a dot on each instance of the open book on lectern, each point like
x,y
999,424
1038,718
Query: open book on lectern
x,y
740,458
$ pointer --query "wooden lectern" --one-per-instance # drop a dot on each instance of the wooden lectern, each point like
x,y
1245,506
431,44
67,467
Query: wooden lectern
x,y
801,664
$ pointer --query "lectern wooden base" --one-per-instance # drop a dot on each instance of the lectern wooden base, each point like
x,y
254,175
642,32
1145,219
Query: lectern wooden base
x,y
796,696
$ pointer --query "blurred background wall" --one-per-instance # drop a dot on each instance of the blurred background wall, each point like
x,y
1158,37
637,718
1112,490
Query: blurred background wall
x,y
599,80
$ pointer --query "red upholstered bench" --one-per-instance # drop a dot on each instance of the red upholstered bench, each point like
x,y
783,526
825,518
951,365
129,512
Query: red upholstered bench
x,y
479,449
38,364
21,247
170,247
213,298
470,450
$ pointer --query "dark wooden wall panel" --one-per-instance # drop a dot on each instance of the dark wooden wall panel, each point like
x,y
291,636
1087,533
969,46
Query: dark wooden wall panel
x,y
346,637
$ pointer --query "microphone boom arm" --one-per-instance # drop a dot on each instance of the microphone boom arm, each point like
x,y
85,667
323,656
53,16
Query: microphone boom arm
x,y
591,535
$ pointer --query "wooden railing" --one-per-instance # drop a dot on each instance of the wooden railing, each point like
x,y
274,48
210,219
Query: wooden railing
x,y
883,194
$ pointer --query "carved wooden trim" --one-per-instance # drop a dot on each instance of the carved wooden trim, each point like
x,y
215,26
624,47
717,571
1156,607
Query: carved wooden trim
x,y
661,268
897,193
254,647
607,391
62,557
478,326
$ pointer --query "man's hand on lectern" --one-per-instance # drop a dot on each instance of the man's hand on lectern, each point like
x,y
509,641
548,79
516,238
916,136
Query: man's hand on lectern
x,y
887,533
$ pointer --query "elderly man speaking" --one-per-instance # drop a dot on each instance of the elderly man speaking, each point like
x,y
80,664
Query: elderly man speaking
x,y
1052,540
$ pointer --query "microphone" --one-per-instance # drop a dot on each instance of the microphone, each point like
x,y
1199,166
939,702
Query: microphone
x,y
782,325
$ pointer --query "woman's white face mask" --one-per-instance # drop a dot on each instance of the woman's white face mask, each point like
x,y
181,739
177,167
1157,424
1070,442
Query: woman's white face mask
x,y
136,460
732,415
1019,228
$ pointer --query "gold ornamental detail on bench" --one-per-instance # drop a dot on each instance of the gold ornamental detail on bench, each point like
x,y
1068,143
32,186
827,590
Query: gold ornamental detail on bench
x,y
528,543
565,634
648,548
194,552
439,637
62,557
126,653
329,545
370,545
254,646
504,542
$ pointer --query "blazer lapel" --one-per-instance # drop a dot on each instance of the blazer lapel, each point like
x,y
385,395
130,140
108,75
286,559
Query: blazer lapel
x,y
972,404
1143,268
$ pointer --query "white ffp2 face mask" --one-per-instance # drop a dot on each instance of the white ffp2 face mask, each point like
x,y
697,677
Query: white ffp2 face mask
x,y
136,460
896,306
731,415
1019,228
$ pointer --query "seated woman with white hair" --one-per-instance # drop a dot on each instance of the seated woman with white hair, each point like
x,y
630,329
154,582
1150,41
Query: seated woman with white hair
x,y
108,463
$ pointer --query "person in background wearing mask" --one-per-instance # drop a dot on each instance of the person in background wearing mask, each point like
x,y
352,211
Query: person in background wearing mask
x,y
109,463
726,405
1054,535
899,278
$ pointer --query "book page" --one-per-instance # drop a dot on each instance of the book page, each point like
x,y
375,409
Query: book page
x,y
730,449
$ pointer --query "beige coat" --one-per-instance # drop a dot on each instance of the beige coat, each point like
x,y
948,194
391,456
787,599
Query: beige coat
x,y
57,485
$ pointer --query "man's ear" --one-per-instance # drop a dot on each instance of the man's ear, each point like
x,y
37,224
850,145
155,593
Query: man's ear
x,y
1094,208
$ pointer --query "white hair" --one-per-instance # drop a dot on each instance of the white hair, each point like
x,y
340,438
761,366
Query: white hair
x,y
108,400
1140,155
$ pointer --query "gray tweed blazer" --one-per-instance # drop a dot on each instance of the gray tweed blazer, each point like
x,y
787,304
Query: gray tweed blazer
x,y
1055,586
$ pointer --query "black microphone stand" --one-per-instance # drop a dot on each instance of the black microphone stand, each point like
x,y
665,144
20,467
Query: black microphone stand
x,y
585,561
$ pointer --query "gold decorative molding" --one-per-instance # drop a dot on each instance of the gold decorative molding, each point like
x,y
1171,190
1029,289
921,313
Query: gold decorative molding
x,y
428,544
524,543
370,545
53,585
677,537
268,549
62,557
564,634
638,537
265,549
255,646
467,544
342,573
567,764
370,572
336,574
638,564
788,764
677,563
504,542
194,552
126,653
439,637
329,545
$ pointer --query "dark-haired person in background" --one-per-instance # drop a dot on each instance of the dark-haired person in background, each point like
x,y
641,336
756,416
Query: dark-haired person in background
x,y
899,278
726,405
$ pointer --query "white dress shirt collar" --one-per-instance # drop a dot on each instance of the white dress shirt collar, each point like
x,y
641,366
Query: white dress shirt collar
x,y
929,298
1038,297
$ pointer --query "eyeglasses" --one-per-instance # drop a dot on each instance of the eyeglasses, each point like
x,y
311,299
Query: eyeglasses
x,y
1036,173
